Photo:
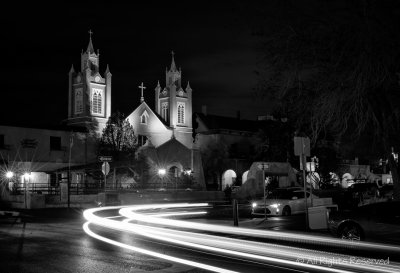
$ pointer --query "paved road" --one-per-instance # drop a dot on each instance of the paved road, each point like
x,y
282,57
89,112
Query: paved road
x,y
52,240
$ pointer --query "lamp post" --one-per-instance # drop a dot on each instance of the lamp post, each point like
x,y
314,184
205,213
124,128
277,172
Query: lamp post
x,y
161,173
9,176
26,177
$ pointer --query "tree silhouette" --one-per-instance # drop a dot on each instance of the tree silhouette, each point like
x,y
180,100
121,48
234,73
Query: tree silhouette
x,y
118,138
332,67
215,158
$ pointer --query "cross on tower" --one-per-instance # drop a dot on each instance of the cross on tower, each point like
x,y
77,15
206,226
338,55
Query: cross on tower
x,y
90,33
142,87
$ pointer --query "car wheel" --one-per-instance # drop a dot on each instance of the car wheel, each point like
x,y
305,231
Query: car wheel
x,y
286,211
351,232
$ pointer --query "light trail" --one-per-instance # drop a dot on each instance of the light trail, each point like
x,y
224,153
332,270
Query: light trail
x,y
168,230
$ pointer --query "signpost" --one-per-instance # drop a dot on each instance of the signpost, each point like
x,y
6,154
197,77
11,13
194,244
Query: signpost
x,y
302,149
105,167
105,158
263,167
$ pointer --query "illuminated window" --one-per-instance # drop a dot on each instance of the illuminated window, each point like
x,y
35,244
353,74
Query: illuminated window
x,y
96,101
78,101
181,112
164,111
144,117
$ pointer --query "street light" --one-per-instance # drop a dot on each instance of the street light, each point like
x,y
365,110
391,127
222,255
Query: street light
x,y
161,173
26,181
9,174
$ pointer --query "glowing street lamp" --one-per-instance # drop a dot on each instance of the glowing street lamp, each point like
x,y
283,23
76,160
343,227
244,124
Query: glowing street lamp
x,y
9,174
161,172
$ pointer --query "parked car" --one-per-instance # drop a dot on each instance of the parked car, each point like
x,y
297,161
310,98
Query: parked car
x,y
375,221
282,201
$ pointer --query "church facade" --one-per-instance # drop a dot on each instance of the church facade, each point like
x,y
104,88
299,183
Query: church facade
x,y
164,134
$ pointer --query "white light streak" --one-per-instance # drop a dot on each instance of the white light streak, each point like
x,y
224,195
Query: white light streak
x,y
168,230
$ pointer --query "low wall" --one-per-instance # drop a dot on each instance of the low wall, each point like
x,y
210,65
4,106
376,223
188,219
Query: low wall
x,y
179,196
76,201
13,201
37,201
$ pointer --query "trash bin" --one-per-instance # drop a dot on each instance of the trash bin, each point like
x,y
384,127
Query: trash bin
x,y
318,216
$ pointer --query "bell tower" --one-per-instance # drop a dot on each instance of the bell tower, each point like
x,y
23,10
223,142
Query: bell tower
x,y
173,103
89,92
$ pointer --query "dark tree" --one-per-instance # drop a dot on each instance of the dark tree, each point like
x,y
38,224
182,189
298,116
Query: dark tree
x,y
332,66
118,138
215,158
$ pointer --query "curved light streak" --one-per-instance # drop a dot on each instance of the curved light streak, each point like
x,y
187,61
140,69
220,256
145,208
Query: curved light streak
x,y
240,249
152,253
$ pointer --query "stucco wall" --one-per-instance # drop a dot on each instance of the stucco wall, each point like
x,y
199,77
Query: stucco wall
x,y
42,155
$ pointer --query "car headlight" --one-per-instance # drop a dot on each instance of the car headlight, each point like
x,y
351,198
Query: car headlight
x,y
275,205
254,205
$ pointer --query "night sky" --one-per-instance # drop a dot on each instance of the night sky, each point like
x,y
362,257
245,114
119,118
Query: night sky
x,y
212,42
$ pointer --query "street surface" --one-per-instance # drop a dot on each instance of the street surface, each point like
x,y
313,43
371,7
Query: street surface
x,y
54,241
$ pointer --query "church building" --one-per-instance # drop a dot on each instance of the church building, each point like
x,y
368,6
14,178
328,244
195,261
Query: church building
x,y
165,133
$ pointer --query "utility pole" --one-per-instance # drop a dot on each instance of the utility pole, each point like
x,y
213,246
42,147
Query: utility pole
x,y
71,142
302,149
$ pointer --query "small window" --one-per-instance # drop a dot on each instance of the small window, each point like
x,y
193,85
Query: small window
x,y
55,143
144,117
142,140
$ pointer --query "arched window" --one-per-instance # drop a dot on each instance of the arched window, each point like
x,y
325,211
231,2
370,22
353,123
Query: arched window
x,y
164,111
144,117
96,101
78,101
181,112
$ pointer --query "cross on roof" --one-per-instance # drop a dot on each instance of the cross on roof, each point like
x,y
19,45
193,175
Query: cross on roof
x,y
142,87
90,33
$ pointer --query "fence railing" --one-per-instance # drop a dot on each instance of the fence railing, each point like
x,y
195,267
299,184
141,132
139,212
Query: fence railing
x,y
40,188
94,187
